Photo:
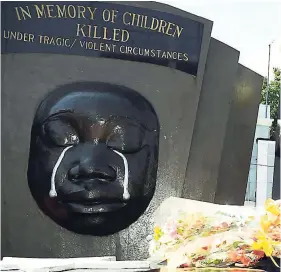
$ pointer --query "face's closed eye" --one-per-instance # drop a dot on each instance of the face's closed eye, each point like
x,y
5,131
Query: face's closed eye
x,y
121,134
125,137
60,133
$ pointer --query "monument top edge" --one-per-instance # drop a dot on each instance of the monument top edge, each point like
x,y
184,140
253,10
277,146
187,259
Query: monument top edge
x,y
167,8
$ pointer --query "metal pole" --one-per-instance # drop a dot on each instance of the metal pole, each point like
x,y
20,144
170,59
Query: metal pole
x,y
267,87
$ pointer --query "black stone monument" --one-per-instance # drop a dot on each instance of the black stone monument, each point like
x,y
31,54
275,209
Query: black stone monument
x,y
108,108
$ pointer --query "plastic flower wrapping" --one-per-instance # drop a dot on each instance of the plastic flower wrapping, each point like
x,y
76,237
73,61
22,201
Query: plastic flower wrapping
x,y
190,233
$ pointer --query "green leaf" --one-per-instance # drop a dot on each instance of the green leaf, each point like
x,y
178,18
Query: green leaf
x,y
237,243
217,261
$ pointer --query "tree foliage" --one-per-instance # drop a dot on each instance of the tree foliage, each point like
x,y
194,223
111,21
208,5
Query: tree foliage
x,y
273,101
273,93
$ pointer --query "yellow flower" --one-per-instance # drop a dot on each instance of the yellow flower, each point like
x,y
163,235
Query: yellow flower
x,y
265,223
272,207
157,230
265,244
157,233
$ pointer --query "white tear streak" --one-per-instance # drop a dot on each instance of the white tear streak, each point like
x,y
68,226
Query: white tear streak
x,y
53,192
126,194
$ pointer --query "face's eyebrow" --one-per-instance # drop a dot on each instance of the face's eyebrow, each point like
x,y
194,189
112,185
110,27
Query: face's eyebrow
x,y
125,118
57,114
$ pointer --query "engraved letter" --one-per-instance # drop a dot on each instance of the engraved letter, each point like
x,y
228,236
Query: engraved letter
x,y
92,12
61,12
178,31
80,29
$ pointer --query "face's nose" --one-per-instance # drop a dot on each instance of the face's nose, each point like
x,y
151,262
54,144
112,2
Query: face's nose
x,y
93,164
86,170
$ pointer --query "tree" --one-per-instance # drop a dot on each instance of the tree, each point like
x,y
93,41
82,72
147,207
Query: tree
x,y
273,93
273,98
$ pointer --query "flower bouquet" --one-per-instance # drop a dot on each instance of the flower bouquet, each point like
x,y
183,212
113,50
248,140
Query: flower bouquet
x,y
190,233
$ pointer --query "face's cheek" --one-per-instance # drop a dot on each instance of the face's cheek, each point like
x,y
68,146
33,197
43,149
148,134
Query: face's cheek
x,y
138,164
45,156
48,159
43,162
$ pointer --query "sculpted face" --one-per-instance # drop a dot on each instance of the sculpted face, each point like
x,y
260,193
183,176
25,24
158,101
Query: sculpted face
x,y
93,157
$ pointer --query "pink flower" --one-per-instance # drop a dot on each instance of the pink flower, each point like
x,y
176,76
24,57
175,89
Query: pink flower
x,y
171,229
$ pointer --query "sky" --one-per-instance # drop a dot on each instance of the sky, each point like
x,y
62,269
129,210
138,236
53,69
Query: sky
x,y
246,25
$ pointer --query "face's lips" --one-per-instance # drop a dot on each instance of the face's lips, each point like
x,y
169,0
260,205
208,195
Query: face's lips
x,y
92,206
